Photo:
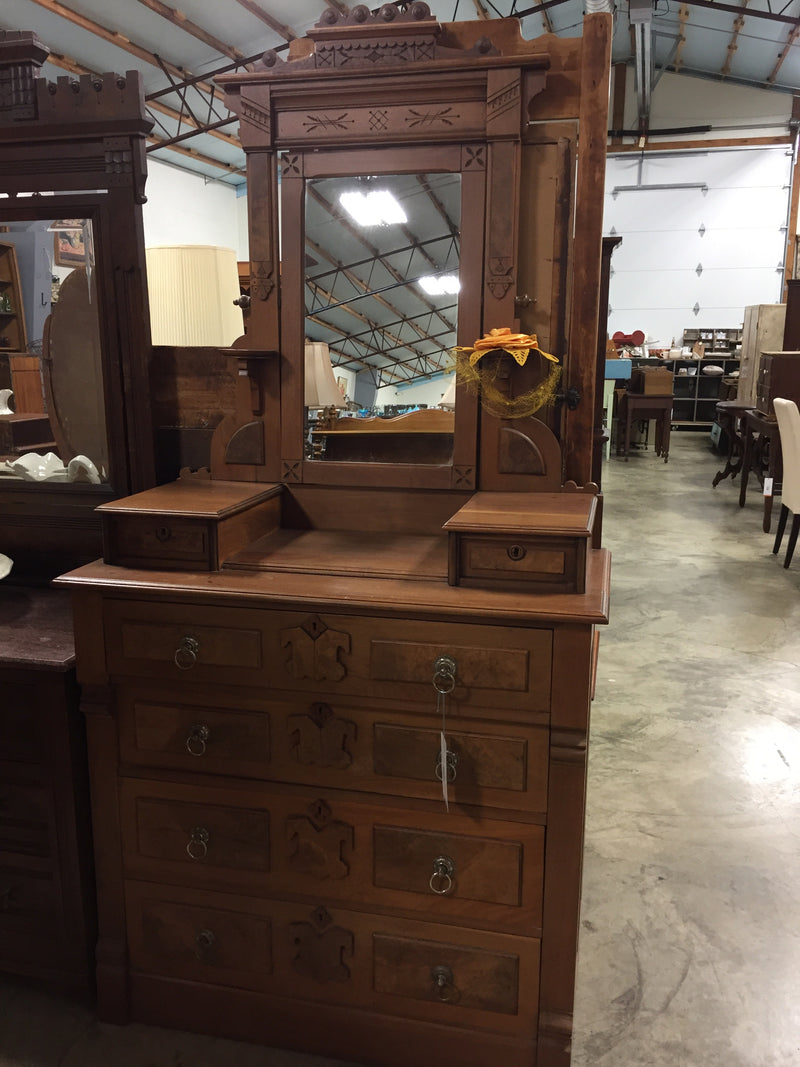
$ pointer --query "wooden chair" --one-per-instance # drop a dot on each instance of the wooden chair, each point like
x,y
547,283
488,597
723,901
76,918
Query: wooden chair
x,y
789,429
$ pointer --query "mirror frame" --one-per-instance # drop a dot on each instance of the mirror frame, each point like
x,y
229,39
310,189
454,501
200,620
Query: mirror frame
x,y
376,91
76,149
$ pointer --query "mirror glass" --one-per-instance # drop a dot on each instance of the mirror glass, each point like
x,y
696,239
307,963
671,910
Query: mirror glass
x,y
381,302
52,417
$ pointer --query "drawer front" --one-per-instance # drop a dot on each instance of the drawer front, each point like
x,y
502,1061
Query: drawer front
x,y
213,740
151,540
390,659
468,867
335,744
473,978
412,969
26,821
213,835
202,943
557,565
18,721
456,869
28,899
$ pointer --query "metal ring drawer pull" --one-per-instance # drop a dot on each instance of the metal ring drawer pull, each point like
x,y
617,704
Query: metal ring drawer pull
x,y
197,740
204,942
443,983
452,763
186,653
441,881
198,843
444,675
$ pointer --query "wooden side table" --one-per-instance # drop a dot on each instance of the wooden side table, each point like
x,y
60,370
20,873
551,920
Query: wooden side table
x,y
761,454
47,908
641,406
730,416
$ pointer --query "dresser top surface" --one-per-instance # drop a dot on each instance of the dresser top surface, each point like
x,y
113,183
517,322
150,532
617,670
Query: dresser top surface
x,y
351,594
36,628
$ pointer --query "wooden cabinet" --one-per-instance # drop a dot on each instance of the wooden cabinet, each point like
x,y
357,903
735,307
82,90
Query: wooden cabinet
x,y
13,337
338,710
778,376
46,883
763,332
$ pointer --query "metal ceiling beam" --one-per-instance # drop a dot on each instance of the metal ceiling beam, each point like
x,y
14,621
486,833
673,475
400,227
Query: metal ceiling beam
x,y
374,252
357,283
191,153
177,18
640,14
113,37
752,12
286,32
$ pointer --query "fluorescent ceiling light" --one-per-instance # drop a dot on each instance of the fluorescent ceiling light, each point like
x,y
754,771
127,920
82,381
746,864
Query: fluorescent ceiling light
x,y
439,285
376,208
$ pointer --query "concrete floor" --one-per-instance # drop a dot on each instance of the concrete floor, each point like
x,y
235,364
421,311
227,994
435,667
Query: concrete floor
x,y
690,938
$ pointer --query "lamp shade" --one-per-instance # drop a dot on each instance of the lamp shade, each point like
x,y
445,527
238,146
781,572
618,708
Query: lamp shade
x,y
449,396
321,390
192,289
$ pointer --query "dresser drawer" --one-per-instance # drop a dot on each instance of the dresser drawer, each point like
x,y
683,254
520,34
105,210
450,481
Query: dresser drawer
x,y
544,565
390,659
411,969
456,869
28,900
18,722
333,743
26,821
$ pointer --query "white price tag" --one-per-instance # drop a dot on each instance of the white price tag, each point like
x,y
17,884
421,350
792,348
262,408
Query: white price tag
x,y
767,487
443,759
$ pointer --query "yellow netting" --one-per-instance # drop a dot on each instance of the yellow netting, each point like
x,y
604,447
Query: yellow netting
x,y
480,377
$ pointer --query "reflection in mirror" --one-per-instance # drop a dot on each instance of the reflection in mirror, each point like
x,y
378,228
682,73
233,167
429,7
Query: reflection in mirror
x,y
381,292
52,421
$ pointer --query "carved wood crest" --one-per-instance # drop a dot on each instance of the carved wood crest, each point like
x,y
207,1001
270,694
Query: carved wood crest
x,y
320,738
313,651
318,844
321,949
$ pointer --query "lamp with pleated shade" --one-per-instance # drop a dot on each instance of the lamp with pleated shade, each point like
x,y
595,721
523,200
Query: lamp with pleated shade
x,y
191,290
448,400
321,390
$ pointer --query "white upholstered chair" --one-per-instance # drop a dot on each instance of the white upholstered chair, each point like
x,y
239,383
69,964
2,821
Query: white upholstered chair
x,y
789,429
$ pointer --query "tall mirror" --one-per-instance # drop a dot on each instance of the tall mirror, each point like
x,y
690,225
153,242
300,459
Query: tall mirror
x,y
382,257
382,286
52,416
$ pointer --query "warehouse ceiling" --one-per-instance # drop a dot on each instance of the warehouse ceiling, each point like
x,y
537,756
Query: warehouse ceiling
x,y
754,42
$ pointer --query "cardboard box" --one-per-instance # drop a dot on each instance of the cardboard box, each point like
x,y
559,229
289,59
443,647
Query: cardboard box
x,y
652,381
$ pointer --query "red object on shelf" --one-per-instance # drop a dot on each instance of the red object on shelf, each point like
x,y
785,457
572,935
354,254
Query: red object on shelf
x,y
621,340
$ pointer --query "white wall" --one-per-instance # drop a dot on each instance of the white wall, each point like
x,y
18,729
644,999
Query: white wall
x,y
186,209
731,110
734,231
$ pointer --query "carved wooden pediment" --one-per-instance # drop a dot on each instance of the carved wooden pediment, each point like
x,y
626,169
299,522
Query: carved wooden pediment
x,y
359,38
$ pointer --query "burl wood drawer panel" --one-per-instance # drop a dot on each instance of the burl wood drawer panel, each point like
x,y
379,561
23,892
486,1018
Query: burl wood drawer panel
x,y
312,951
151,540
391,659
337,744
453,868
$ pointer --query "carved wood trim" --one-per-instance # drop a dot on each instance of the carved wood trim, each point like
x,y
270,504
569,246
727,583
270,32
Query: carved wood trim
x,y
319,737
319,845
321,950
313,651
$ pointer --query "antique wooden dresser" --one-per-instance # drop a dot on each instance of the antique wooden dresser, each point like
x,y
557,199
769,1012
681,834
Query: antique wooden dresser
x,y
338,711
